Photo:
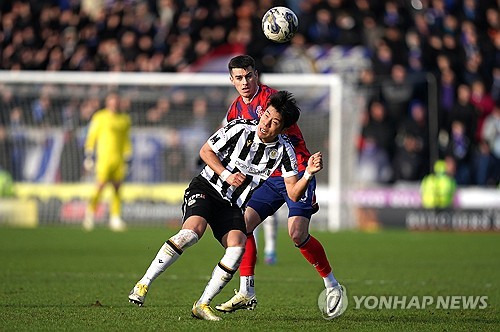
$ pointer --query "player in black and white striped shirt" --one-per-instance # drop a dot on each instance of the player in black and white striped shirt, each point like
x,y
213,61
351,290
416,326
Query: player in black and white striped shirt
x,y
241,150
239,158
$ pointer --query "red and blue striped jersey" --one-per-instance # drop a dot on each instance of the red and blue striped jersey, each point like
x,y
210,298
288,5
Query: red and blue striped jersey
x,y
254,110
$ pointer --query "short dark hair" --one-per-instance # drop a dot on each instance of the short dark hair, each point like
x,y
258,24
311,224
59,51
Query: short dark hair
x,y
286,105
241,61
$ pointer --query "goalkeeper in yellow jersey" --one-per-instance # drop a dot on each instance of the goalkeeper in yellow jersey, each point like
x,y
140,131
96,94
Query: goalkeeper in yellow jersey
x,y
108,144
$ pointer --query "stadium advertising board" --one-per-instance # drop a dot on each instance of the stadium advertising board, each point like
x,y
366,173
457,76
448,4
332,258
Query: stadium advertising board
x,y
66,203
473,210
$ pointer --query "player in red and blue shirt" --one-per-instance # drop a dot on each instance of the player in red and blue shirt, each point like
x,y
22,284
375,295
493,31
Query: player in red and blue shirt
x,y
266,200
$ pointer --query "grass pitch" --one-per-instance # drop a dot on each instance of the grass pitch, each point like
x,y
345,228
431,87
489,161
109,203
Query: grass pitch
x,y
56,278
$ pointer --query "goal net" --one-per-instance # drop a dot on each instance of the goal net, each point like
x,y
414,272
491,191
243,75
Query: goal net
x,y
44,117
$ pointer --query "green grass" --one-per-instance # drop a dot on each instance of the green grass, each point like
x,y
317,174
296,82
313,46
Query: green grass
x,y
64,279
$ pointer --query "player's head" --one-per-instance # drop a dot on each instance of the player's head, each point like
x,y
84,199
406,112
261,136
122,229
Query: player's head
x,y
281,113
112,101
243,75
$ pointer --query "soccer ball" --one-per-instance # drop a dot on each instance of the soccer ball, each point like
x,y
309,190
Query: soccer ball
x,y
279,24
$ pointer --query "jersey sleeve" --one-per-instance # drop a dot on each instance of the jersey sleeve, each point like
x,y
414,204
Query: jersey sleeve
x,y
232,113
92,133
221,137
289,165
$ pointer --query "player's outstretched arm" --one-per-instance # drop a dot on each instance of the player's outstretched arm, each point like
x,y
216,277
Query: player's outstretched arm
x,y
211,159
295,187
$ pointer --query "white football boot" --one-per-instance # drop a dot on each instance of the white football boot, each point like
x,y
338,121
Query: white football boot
x,y
116,224
138,294
237,302
336,301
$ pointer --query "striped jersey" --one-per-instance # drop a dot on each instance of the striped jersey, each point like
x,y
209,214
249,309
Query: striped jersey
x,y
254,110
240,150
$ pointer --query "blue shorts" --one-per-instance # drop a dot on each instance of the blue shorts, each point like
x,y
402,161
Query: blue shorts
x,y
268,198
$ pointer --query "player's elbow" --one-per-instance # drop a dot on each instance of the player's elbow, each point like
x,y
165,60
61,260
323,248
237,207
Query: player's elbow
x,y
204,151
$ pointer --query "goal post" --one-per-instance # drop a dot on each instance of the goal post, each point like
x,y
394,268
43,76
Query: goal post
x,y
328,121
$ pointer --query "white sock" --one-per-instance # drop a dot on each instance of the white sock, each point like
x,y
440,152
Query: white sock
x,y
330,280
168,254
270,225
247,285
222,273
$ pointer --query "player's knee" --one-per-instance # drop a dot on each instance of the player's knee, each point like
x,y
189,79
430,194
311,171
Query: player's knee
x,y
298,236
185,238
235,239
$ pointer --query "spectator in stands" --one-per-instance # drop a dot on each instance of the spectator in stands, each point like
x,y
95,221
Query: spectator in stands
x,y
394,40
371,31
488,161
18,143
348,29
495,85
447,96
461,149
464,112
374,164
483,102
397,91
296,59
382,61
379,127
376,146
323,29
408,162
158,114
40,109
438,189
415,53
367,86
413,143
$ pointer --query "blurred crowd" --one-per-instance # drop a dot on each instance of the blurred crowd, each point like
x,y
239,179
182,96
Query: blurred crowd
x,y
456,41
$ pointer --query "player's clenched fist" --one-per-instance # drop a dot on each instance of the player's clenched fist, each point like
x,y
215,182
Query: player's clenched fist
x,y
236,179
315,163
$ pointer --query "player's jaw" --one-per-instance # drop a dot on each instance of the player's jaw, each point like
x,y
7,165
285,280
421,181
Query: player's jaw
x,y
245,91
270,125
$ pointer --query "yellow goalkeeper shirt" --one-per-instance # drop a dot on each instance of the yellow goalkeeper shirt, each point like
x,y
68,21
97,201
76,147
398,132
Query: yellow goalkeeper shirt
x,y
109,137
